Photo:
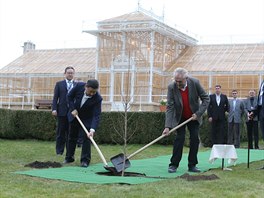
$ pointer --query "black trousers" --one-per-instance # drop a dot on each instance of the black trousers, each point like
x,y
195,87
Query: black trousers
x,y
62,134
75,128
252,131
261,119
217,132
193,127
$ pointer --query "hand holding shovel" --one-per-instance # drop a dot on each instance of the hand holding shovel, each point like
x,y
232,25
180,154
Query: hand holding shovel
x,y
121,162
90,135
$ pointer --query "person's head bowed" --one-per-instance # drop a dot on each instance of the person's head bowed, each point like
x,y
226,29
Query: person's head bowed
x,y
180,77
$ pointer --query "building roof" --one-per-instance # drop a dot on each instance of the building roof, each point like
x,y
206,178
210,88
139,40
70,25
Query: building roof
x,y
53,61
230,58
133,16
141,21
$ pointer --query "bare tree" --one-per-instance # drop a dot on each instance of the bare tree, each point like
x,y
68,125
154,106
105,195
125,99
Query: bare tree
x,y
122,127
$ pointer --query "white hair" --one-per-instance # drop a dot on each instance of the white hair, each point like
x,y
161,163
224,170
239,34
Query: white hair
x,y
183,72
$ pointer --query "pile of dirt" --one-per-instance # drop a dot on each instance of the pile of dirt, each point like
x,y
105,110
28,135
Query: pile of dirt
x,y
126,174
189,177
47,164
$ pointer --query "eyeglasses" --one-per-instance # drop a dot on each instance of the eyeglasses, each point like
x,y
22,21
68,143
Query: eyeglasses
x,y
180,81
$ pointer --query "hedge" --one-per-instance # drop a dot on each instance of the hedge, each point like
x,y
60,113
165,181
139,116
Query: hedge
x,y
143,127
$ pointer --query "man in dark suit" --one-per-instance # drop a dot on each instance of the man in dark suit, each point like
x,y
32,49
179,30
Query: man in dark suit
x,y
186,98
259,110
60,109
250,104
216,115
86,102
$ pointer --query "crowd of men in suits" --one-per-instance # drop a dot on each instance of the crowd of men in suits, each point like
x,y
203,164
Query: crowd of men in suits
x,y
235,109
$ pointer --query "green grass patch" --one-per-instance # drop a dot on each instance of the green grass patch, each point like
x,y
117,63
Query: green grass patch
x,y
241,182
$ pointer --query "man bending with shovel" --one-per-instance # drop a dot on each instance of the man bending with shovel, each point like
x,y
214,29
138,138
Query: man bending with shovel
x,y
185,98
84,102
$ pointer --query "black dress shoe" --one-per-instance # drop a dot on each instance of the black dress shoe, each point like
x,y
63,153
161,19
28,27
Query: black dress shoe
x,y
172,169
84,164
194,169
67,161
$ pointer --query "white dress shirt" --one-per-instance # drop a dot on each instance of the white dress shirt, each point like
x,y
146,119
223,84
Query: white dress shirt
x,y
69,85
218,99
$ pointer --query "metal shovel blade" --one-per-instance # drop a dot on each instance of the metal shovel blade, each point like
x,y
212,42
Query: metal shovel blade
x,y
118,162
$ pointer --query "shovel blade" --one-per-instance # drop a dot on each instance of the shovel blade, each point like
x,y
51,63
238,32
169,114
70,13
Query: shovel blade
x,y
119,160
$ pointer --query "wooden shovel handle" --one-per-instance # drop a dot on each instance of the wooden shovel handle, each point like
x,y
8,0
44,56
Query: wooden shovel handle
x,y
92,140
159,138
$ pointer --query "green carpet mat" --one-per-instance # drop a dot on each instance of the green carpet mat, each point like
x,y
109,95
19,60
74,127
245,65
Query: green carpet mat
x,y
155,169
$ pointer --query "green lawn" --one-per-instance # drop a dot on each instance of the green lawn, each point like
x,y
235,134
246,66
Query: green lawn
x,y
241,182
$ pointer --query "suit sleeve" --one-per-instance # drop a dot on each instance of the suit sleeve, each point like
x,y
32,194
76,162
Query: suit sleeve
x,y
96,114
227,106
204,98
55,97
209,109
170,108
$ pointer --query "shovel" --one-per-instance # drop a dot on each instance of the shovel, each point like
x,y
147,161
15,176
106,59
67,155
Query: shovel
x,y
111,169
122,162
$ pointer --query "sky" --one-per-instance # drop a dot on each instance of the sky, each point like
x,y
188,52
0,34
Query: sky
x,y
55,24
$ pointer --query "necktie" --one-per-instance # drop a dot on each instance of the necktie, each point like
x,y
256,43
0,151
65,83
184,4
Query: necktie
x,y
234,105
69,85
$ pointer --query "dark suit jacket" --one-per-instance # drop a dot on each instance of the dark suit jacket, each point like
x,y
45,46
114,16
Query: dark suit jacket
x,y
90,111
249,108
257,111
198,100
215,111
59,102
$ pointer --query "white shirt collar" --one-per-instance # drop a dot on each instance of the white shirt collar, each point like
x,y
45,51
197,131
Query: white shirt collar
x,y
67,81
183,89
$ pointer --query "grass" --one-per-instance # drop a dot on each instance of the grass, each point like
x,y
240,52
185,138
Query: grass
x,y
241,182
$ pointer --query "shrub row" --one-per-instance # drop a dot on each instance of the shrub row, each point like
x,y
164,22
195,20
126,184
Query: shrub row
x,y
142,127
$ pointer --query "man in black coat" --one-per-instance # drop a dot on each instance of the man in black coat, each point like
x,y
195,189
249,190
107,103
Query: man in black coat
x,y
84,101
60,109
216,115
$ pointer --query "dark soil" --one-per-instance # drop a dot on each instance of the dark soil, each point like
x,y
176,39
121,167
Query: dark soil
x,y
126,174
198,177
184,176
47,164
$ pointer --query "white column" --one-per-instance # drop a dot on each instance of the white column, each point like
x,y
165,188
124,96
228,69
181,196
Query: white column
x,y
151,62
210,82
132,91
97,57
112,82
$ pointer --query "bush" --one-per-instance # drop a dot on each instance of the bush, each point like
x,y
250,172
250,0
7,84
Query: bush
x,y
143,127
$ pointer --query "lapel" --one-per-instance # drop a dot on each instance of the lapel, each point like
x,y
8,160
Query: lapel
x,y
221,99
214,99
231,104
88,102
64,84
177,94
190,88
255,102
74,84
260,88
